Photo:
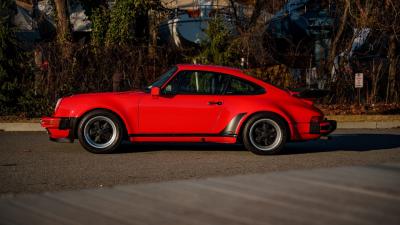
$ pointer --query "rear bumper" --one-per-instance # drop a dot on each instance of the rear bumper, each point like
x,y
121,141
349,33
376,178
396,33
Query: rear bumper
x,y
313,130
323,127
60,129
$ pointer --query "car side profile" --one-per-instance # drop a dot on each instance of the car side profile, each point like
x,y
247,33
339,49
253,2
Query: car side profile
x,y
190,103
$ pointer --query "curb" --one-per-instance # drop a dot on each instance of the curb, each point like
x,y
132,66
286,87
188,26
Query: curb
x,y
369,125
340,125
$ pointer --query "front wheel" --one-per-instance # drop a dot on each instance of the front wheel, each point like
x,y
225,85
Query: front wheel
x,y
100,132
265,134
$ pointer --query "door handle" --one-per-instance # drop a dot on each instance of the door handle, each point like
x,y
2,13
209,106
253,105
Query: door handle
x,y
215,103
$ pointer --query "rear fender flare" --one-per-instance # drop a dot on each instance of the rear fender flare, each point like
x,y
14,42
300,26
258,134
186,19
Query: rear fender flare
x,y
285,118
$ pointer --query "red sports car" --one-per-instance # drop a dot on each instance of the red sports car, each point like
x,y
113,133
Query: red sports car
x,y
190,103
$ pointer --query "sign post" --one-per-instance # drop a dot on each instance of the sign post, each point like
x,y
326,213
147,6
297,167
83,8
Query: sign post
x,y
359,83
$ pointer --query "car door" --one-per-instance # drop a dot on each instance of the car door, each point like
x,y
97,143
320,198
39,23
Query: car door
x,y
238,96
186,106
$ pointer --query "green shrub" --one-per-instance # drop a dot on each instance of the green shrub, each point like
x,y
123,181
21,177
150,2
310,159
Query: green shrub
x,y
125,23
217,49
100,19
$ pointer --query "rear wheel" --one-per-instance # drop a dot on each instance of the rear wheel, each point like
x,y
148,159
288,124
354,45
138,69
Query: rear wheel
x,y
100,132
265,134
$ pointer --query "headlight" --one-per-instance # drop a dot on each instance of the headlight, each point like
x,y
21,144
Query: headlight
x,y
57,104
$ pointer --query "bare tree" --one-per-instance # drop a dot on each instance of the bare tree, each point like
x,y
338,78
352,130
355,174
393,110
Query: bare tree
x,y
341,27
383,16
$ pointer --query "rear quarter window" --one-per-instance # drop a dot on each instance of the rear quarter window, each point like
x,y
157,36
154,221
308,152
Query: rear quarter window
x,y
238,86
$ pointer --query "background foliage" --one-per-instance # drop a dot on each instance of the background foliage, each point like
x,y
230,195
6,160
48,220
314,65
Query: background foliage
x,y
121,47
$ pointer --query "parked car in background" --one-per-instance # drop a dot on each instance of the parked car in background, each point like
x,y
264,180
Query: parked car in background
x,y
190,103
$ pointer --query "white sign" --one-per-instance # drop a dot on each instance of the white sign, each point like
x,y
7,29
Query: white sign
x,y
359,80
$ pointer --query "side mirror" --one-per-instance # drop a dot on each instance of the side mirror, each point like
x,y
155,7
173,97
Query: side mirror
x,y
155,91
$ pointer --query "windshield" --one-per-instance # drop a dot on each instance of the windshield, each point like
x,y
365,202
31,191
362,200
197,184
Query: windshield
x,y
162,79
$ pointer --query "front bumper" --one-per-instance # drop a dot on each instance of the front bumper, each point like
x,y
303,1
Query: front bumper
x,y
60,129
323,127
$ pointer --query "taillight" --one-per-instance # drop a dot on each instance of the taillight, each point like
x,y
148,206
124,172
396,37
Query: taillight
x,y
316,119
49,122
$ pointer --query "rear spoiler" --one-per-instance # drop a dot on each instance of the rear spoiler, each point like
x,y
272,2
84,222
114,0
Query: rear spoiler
x,y
309,93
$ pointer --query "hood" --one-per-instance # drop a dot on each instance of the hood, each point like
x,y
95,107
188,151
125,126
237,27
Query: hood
x,y
106,94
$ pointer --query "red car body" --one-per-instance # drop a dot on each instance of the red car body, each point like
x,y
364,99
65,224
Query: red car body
x,y
154,117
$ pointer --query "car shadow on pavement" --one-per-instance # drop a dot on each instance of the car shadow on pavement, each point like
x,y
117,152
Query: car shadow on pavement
x,y
339,142
346,142
149,147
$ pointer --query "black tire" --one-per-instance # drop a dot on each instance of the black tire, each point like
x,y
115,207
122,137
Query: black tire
x,y
261,128
100,131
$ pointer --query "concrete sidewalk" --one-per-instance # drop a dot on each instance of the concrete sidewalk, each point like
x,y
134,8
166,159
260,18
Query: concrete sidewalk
x,y
339,196
344,122
21,127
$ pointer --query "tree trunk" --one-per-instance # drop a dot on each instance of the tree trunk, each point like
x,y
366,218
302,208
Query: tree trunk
x,y
376,76
259,6
393,58
63,28
152,23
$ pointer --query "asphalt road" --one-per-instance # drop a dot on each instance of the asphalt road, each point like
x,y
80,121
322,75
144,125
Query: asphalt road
x,y
30,163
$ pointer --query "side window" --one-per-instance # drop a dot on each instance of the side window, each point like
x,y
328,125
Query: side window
x,y
192,82
231,85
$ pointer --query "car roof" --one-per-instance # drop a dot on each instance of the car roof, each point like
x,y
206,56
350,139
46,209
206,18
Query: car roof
x,y
213,68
